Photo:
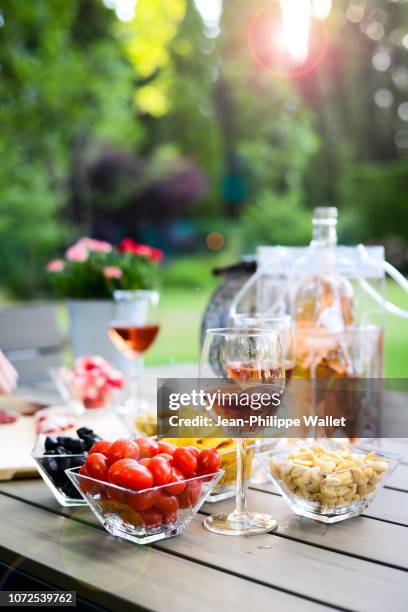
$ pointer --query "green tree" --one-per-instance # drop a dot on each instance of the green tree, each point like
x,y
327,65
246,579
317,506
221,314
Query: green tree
x,y
65,85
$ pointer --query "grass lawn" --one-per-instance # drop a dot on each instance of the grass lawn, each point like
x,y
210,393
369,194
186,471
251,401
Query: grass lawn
x,y
182,309
396,336
179,337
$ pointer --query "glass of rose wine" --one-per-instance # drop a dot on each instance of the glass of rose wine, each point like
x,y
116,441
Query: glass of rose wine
x,y
282,324
251,360
132,330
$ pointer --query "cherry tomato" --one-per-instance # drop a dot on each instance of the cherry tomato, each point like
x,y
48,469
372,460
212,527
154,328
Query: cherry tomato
x,y
123,449
97,466
194,451
147,446
102,446
190,496
115,469
166,447
177,477
167,457
141,501
167,504
185,461
209,461
151,517
87,486
131,475
161,470
170,518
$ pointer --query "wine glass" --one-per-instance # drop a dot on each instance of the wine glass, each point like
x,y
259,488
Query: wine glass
x,y
132,330
283,325
251,358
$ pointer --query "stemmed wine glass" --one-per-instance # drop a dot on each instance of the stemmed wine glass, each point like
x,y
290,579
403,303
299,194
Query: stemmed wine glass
x,y
281,324
251,358
132,330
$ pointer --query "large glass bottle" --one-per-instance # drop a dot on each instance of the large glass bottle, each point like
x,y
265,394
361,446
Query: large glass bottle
x,y
321,302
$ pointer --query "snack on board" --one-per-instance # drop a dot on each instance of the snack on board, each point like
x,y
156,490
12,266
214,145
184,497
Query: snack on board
x,y
330,478
52,421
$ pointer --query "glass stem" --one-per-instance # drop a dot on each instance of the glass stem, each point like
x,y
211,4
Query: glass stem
x,y
241,503
135,367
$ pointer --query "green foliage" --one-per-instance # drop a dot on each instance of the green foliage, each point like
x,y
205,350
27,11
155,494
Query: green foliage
x,y
276,219
166,88
268,125
63,79
87,280
29,233
381,193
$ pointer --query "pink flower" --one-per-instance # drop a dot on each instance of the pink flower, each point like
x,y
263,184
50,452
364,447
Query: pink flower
x,y
95,245
112,272
78,252
56,265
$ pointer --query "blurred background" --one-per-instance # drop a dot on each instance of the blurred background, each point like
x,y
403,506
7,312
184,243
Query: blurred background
x,y
173,122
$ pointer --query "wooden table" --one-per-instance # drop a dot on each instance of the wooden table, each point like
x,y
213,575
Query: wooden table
x,y
360,564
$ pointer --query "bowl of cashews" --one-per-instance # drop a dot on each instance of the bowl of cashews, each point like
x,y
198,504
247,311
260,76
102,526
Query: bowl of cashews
x,y
328,481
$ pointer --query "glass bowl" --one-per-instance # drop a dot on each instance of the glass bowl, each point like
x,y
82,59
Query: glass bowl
x,y
76,397
328,492
52,469
135,515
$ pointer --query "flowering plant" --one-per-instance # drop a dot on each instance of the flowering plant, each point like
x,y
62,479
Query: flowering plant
x,y
94,269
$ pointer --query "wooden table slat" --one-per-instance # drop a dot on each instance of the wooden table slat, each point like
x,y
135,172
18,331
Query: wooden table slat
x,y
360,536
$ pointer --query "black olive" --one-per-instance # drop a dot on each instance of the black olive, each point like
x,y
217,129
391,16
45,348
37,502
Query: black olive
x,y
60,450
51,443
74,445
84,433
53,468
91,441
69,490
50,466
78,460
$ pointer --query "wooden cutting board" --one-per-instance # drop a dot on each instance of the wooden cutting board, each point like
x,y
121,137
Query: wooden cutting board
x,y
17,439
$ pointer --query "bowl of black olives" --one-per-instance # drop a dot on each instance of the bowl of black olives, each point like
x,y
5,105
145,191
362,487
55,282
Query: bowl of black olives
x,y
55,454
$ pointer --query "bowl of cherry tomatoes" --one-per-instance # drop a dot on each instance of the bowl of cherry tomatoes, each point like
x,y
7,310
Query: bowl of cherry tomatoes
x,y
145,490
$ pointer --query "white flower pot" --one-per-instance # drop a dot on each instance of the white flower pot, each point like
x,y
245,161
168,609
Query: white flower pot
x,y
89,325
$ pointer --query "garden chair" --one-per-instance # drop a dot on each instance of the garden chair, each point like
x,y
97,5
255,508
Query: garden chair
x,y
32,340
